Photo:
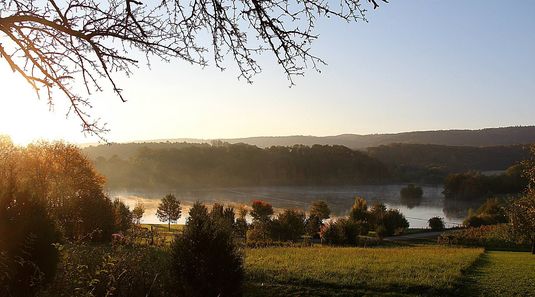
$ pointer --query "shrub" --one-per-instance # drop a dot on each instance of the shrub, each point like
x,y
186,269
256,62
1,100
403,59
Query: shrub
x,y
492,236
205,258
122,216
436,223
29,254
359,210
289,225
259,232
394,222
100,270
261,211
313,226
489,213
330,233
241,226
522,214
320,209
376,215
343,232
381,231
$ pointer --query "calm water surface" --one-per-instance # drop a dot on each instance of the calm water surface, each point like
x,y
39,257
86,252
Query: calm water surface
x,y
339,199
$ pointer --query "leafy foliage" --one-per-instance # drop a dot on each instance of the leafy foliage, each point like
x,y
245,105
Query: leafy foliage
x,y
522,215
137,213
319,209
122,215
359,210
436,223
492,212
206,260
241,165
66,182
261,211
492,236
169,210
474,185
99,270
27,238
289,225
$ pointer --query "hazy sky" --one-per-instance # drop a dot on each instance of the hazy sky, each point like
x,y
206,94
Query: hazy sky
x,y
417,65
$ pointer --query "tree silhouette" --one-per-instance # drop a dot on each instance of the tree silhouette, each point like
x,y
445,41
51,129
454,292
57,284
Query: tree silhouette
x,y
53,44
169,210
137,213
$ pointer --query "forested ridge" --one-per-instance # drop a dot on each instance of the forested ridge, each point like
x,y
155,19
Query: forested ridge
x,y
175,165
241,165
450,158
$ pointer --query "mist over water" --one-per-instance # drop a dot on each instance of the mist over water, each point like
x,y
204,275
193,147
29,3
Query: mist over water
x,y
339,198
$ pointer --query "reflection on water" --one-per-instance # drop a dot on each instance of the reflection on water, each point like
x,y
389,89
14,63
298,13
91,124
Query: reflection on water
x,y
339,199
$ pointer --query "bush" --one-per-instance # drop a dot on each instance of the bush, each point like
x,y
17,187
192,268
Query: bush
x,y
394,222
381,231
122,216
330,233
289,225
259,232
343,232
489,213
494,236
436,224
205,259
98,270
313,226
29,254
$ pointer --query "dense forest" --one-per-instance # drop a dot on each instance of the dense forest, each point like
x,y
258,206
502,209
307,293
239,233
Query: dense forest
x,y
430,163
241,165
451,158
172,165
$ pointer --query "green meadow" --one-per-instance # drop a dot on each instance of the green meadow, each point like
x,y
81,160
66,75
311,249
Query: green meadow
x,y
328,271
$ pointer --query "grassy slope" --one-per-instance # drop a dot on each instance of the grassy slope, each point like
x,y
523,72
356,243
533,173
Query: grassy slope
x,y
320,271
500,273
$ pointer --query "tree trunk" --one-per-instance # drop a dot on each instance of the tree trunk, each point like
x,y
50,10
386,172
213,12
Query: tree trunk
x,y
169,225
533,246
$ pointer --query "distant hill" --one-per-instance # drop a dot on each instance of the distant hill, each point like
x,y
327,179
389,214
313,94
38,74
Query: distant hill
x,y
478,138
483,137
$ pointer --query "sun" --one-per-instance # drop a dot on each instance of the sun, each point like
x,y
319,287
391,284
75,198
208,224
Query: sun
x,y
26,118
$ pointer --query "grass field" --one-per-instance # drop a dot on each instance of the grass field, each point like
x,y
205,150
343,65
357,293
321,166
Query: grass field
x,y
322,271
499,273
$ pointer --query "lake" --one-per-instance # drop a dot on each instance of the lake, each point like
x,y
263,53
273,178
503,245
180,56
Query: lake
x,y
339,198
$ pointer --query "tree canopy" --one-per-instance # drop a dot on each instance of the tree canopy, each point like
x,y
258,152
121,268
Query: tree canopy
x,y
54,45
169,210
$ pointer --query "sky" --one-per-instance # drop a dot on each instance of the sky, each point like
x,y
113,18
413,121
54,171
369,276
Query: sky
x,y
417,65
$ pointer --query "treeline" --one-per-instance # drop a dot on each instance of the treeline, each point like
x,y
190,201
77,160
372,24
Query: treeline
x,y
241,165
171,165
473,185
432,163
128,150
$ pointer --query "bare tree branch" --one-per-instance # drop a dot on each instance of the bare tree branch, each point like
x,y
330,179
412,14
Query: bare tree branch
x,y
55,45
